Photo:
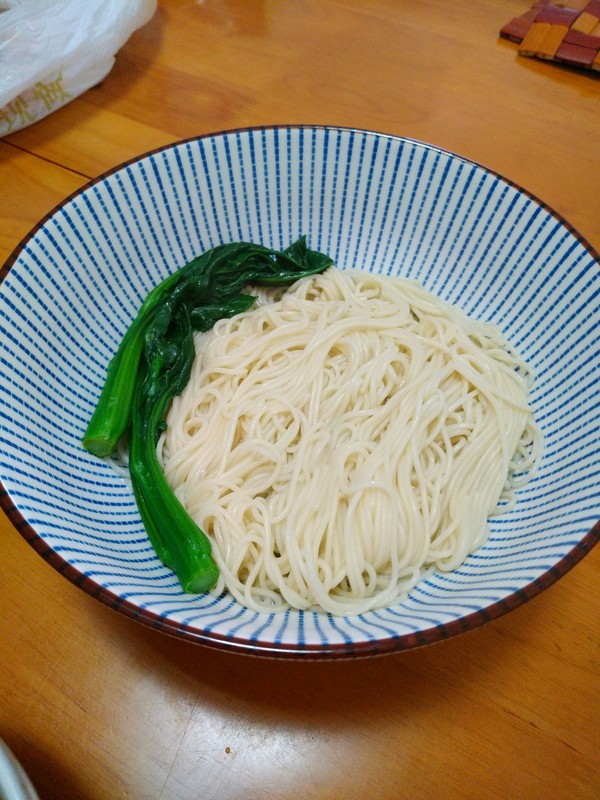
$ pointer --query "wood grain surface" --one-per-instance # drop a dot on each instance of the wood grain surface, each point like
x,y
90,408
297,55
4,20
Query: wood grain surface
x,y
98,707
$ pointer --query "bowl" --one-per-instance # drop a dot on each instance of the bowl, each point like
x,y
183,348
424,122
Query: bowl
x,y
370,200
14,781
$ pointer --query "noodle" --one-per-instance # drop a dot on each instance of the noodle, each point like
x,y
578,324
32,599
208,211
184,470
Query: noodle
x,y
345,437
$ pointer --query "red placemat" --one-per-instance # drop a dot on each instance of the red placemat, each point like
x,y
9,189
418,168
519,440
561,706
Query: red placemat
x,y
566,32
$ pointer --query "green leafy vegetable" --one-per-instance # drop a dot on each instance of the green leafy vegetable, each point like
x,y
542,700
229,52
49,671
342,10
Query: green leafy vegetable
x,y
153,365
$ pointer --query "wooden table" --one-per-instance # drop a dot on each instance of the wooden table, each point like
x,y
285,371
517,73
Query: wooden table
x,y
97,706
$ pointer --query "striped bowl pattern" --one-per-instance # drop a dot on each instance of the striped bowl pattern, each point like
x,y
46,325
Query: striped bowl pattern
x,y
372,201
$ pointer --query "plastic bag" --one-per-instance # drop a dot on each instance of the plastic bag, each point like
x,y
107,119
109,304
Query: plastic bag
x,y
53,50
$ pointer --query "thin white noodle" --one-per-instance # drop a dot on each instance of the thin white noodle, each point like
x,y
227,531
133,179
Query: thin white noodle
x,y
346,437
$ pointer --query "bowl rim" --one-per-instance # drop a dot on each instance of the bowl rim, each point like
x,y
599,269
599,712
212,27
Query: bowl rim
x,y
283,650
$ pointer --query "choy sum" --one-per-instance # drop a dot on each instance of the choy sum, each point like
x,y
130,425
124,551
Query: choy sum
x,y
153,364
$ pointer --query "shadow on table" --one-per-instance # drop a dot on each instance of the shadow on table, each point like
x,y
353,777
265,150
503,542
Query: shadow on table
x,y
336,693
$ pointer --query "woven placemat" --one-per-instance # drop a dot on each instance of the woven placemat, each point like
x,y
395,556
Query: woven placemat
x,y
566,32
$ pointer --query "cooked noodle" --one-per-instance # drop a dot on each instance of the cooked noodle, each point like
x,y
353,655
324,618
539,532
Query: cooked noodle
x,y
344,438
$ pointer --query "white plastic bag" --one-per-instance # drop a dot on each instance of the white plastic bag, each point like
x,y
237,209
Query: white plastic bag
x,y
53,50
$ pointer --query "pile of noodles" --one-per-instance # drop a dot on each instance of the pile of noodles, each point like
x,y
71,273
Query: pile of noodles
x,y
344,437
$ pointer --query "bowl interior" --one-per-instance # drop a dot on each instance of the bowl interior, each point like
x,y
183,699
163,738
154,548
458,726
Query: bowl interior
x,y
373,202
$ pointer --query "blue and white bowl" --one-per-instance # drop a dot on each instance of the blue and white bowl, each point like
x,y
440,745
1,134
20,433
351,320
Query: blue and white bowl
x,y
372,201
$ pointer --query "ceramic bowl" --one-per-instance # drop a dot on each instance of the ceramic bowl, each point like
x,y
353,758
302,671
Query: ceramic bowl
x,y
372,201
